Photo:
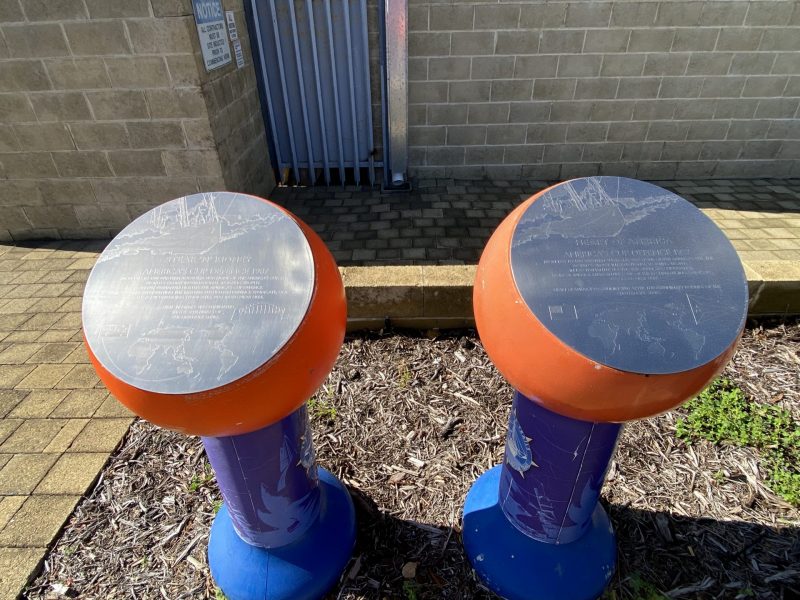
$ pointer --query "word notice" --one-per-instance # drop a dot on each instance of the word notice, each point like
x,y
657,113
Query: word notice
x,y
211,30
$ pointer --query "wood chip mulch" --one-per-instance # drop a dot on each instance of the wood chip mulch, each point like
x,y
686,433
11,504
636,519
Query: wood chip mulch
x,y
417,419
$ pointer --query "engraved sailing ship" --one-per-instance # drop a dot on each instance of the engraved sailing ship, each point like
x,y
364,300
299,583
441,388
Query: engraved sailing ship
x,y
189,226
584,208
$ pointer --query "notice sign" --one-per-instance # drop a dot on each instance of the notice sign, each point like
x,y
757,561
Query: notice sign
x,y
213,35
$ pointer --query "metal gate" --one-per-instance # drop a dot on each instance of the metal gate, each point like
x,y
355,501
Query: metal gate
x,y
315,72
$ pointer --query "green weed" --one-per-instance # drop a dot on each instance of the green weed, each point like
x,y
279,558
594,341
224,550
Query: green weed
x,y
723,415
641,589
321,409
410,590
404,376
204,478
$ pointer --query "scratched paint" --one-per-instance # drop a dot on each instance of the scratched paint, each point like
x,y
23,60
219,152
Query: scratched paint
x,y
553,471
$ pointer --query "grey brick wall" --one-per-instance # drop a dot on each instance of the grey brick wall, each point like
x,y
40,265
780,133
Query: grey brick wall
x,y
655,90
106,110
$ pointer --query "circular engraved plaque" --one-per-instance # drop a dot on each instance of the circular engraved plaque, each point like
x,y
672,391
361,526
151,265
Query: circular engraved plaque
x,y
629,275
198,293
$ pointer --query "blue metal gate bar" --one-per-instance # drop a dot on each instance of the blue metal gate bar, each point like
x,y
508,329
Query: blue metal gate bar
x,y
320,108
312,29
303,104
283,89
352,88
270,110
335,89
365,42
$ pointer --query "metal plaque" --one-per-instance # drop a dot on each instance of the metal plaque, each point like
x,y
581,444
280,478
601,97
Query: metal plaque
x,y
198,293
629,275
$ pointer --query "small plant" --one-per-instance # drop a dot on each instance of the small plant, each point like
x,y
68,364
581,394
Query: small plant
x,y
321,409
218,595
723,415
410,590
641,589
216,505
204,478
404,376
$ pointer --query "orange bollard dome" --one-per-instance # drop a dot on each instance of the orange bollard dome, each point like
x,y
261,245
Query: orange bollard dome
x,y
609,299
215,314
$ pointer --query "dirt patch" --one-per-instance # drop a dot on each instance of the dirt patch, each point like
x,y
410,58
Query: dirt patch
x,y
408,423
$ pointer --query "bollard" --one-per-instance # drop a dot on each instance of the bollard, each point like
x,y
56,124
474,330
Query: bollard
x,y
601,300
219,315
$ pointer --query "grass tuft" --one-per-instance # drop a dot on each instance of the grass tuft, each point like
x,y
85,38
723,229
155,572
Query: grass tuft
x,y
723,415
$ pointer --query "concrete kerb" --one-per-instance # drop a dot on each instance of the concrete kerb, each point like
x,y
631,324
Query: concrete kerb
x,y
429,297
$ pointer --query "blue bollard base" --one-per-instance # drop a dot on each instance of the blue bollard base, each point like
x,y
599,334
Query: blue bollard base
x,y
517,567
304,570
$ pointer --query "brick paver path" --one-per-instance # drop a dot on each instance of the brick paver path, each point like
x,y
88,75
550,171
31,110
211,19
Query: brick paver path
x,y
448,222
58,424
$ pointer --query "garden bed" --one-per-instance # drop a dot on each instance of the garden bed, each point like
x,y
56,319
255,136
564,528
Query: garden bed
x,y
409,422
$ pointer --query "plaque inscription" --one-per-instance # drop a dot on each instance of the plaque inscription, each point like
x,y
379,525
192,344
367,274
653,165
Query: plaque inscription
x,y
198,293
629,274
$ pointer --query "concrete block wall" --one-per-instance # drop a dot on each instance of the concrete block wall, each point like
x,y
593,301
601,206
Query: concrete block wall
x,y
106,110
648,89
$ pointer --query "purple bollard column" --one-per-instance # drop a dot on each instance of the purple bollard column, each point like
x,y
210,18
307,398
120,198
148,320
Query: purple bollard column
x,y
269,480
553,470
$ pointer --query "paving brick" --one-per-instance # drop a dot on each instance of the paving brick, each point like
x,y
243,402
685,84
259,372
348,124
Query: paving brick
x,y
73,474
9,505
111,407
32,435
101,435
18,353
53,335
17,567
23,473
9,399
40,321
38,404
44,376
11,375
17,305
64,438
38,521
80,403
79,377
52,353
